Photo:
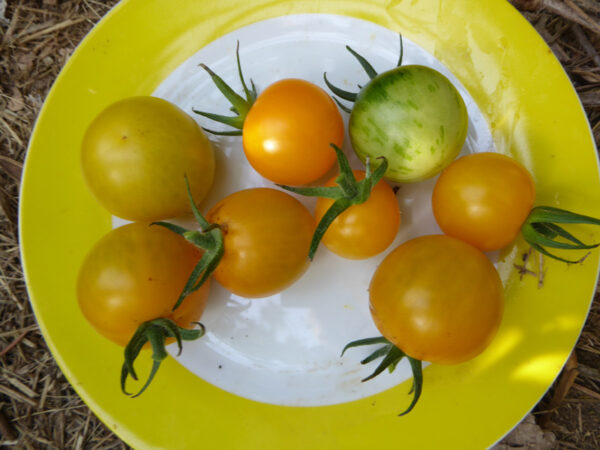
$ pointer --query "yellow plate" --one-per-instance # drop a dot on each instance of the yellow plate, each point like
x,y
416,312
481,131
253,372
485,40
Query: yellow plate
x,y
534,115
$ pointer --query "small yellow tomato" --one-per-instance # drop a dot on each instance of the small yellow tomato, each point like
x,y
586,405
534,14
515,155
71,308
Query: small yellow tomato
x,y
135,274
483,199
266,235
288,131
363,230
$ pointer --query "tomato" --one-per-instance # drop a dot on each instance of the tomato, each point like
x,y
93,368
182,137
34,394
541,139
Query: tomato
x,y
363,230
288,132
266,235
135,154
437,299
135,274
412,115
483,199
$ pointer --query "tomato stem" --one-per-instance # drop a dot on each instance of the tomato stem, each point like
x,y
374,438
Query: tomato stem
x,y
348,192
540,230
156,332
391,355
239,105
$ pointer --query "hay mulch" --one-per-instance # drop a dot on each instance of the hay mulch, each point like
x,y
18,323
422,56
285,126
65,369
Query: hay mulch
x,y
38,407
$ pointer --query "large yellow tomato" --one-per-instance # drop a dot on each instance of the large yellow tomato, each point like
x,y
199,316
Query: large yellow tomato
x,y
437,299
267,235
135,154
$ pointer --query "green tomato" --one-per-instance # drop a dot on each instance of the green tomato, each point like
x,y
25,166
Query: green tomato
x,y
413,116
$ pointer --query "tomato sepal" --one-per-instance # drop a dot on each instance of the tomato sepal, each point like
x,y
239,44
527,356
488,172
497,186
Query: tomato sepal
x,y
342,106
348,192
210,240
232,121
239,105
366,65
369,70
155,332
401,53
338,207
222,133
391,355
346,95
540,230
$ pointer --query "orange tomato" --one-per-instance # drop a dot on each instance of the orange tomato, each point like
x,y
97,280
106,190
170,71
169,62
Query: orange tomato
x,y
266,235
437,299
483,199
363,230
288,131
135,274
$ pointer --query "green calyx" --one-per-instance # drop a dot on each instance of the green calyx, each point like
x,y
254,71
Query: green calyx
x,y
348,192
369,70
391,355
156,332
239,105
540,230
209,239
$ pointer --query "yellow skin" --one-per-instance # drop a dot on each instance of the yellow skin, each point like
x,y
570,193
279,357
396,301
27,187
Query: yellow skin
x,y
134,274
483,199
437,299
135,154
266,234
363,230
288,132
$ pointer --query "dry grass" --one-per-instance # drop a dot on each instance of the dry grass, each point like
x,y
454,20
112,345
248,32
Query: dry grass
x,y
38,408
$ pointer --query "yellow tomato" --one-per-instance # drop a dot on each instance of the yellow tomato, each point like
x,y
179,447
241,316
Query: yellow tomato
x,y
483,199
135,154
437,299
363,230
135,274
288,131
267,234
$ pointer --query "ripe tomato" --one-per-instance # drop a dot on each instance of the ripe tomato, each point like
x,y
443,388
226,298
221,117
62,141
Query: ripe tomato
x,y
483,199
363,230
267,234
288,131
437,299
135,154
135,274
